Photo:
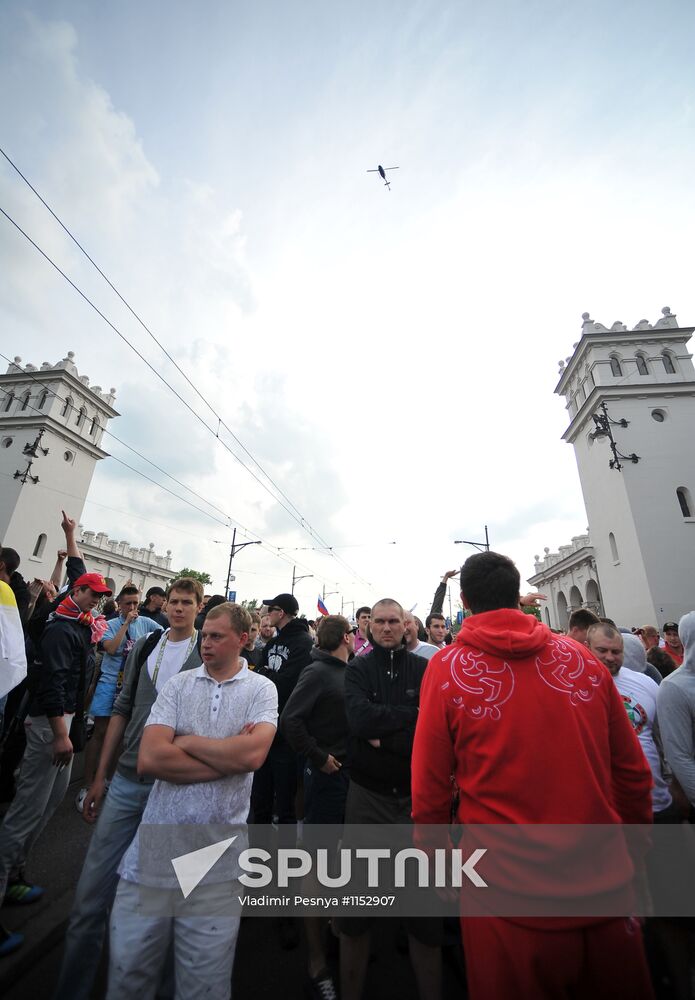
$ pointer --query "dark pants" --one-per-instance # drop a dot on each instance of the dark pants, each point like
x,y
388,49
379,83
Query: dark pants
x,y
275,784
325,795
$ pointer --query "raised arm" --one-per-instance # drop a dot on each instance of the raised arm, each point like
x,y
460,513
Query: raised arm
x,y
440,592
69,525
59,568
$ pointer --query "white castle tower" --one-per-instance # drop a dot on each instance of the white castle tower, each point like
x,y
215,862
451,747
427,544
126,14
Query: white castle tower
x,y
51,425
630,395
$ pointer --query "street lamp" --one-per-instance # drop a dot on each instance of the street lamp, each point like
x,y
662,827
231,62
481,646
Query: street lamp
x,y
480,546
296,579
233,551
603,429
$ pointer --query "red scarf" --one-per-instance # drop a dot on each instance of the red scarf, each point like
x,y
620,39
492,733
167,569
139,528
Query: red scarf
x,y
68,608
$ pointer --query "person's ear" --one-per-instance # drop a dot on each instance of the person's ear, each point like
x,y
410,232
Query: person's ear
x,y
465,602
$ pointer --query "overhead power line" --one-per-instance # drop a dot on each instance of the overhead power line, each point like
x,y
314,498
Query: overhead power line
x,y
268,547
292,509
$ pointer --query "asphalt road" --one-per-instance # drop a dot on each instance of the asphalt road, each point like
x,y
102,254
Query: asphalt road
x,y
262,969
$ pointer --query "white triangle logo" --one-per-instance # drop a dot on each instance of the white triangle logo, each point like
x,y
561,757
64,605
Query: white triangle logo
x,y
192,868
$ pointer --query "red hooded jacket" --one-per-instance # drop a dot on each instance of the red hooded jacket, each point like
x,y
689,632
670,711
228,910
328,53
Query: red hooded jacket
x,y
530,729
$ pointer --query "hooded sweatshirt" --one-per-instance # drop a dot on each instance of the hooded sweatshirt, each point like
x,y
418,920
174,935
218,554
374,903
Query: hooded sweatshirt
x,y
676,709
639,694
532,730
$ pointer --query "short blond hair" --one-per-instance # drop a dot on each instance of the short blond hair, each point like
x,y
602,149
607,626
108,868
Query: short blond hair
x,y
238,617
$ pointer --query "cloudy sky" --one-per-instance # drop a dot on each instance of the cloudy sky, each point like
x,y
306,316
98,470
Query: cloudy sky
x,y
388,358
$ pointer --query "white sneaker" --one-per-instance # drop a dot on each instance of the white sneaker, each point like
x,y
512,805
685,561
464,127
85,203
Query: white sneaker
x,y
79,799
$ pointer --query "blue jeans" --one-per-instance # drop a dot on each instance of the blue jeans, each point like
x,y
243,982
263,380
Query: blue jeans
x,y
117,825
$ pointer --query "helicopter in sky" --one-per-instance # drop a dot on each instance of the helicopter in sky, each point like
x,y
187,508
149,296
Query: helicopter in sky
x,y
381,171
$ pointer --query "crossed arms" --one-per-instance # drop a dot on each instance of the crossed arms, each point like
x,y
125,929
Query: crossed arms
x,y
185,760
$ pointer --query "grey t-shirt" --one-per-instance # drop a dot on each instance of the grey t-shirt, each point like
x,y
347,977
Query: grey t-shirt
x,y
426,650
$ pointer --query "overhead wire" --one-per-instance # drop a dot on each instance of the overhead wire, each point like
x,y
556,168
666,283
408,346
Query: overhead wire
x,y
292,510
267,546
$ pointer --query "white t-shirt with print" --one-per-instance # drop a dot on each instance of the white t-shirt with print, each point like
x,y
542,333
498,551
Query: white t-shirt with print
x,y
639,697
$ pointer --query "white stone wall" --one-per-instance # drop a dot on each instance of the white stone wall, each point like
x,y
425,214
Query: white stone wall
x,y
646,571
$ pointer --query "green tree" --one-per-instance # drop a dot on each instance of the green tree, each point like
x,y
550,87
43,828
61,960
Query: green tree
x,y
195,574
251,605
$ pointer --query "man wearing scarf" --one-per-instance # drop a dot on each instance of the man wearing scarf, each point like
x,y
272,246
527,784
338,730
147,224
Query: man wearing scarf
x,y
67,660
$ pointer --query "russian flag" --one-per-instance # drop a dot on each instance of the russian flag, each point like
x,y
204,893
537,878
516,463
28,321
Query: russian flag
x,y
322,609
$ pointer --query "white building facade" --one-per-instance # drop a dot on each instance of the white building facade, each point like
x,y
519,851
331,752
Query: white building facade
x,y
51,426
120,562
638,559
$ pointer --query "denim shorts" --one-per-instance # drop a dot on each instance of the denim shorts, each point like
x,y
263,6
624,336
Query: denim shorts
x,y
104,697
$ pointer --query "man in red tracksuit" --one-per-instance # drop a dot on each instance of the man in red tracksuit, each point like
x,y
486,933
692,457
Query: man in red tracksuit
x,y
533,731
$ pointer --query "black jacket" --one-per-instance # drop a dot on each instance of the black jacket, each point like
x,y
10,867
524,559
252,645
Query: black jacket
x,y
314,722
382,695
284,658
157,616
64,647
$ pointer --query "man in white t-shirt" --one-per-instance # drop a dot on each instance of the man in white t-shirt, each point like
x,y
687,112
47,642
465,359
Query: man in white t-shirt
x,y
414,644
152,661
208,731
639,694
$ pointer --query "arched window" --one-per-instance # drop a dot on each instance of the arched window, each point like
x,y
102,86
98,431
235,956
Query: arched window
x,y
669,366
562,616
642,367
614,547
67,407
685,501
576,598
42,399
95,426
616,367
79,419
10,401
40,546
25,399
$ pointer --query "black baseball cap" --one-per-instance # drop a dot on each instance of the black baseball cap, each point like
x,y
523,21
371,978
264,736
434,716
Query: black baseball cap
x,y
670,627
286,602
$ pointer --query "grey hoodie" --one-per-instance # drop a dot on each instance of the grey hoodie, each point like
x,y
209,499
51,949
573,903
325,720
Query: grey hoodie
x,y
635,657
676,710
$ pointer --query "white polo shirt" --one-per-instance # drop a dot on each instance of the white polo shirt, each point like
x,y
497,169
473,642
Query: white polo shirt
x,y
194,703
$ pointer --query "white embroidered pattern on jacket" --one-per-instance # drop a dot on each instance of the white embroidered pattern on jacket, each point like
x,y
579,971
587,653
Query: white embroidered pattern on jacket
x,y
564,669
476,686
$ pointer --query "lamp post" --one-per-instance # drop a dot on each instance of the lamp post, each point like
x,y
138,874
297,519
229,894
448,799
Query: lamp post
x,y
296,579
480,546
328,593
232,552
343,605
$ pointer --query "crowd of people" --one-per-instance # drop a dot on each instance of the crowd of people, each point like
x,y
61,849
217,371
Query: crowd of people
x,y
202,712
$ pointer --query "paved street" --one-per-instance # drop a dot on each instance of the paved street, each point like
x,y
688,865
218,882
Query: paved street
x,y
263,970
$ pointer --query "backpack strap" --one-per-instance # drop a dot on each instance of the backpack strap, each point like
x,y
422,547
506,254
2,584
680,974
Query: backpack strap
x,y
148,645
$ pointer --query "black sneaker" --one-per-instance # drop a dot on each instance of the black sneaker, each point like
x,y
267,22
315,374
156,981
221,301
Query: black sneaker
x,y
9,941
322,987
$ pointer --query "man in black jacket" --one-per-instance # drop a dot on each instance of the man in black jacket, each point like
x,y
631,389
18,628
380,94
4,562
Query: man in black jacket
x,y
315,725
284,658
382,695
67,656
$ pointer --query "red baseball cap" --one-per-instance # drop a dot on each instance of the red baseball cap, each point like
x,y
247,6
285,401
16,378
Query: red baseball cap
x,y
95,582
